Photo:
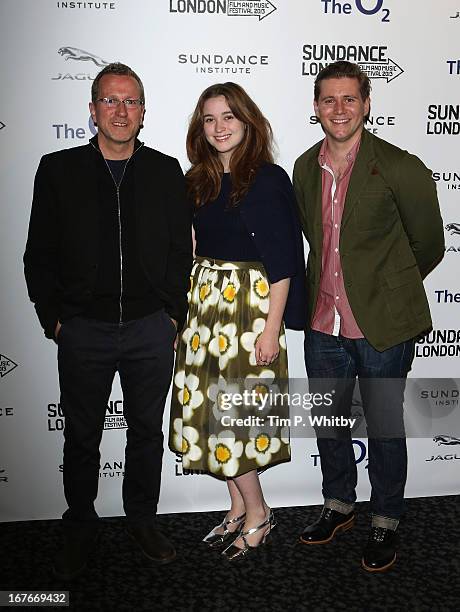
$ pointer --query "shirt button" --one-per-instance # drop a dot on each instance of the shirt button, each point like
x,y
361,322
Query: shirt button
x,y
335,201
336,297
336,273
335,225
252,234
336,250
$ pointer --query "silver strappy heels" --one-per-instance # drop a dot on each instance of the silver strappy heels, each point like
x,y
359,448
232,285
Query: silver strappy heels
x,y
233,553
215,540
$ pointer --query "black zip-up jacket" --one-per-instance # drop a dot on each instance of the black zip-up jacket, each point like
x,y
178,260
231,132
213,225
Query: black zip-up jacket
x,y
62,252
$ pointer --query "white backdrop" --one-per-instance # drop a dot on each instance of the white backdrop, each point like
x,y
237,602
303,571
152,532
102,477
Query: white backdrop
x,y
52,50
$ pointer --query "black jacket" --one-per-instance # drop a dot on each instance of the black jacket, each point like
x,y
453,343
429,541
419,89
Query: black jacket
x,y
62,252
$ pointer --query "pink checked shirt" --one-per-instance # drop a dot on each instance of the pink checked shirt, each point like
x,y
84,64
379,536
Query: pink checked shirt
x,y
333,313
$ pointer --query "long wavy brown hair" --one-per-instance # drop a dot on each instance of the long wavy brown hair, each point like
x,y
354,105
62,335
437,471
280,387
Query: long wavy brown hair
x,y
205,176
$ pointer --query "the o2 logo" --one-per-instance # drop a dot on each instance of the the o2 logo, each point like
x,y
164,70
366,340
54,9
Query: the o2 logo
x,y
360,451
366,7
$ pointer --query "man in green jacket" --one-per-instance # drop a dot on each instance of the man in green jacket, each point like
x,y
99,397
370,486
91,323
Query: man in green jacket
x,y
370,214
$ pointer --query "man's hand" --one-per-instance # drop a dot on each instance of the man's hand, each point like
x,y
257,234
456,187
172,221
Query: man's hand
x,y
57,330
176,338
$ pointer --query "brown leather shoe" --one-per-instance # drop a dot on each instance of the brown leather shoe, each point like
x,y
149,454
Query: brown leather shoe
x,y
154,545
327,526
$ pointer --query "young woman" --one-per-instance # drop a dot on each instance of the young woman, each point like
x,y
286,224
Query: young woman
x,y
247,276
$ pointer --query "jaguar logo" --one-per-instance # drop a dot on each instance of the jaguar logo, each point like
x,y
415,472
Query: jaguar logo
x,y
447,440
80,55
453,228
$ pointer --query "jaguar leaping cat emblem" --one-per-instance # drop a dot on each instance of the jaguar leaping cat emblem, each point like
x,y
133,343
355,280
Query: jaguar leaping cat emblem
x,y
453,228
80,55
448,440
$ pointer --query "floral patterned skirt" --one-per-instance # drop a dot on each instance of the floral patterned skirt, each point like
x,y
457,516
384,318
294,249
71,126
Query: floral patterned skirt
x,y
228,415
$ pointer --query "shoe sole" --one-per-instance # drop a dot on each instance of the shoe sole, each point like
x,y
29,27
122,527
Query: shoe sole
x,y
374,570
342,527
154,559
252,549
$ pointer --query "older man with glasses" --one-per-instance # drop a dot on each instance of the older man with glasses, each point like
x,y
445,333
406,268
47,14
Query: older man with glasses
x,y
107,265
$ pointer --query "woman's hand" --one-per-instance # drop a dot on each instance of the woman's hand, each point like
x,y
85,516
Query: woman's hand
x,y
267,347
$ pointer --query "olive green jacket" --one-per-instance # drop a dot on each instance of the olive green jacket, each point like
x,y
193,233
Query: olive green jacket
x,y
391,237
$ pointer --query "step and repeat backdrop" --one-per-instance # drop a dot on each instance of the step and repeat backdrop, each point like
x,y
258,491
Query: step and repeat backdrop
x,y
52,50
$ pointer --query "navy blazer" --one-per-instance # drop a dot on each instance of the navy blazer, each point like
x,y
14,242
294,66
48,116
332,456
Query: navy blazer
x,y
270,214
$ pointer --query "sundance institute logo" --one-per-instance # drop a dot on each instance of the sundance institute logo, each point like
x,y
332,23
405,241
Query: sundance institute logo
x,y
7,365
231,8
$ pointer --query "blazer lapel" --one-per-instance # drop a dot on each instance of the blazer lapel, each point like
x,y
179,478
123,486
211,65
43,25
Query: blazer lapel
x,y
361,171
313,202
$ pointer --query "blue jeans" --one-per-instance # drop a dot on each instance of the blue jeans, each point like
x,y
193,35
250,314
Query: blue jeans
x,y
341,360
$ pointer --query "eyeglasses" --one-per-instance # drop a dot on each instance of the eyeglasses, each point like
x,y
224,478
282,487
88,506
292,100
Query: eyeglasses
x,y
115,102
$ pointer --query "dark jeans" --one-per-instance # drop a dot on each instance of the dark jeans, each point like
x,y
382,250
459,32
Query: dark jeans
x,y
341,360
89,354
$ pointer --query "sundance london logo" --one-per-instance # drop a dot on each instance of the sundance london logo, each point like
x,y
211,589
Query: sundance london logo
x,y
443,119
7,365
114,416
372,59
230,8
439,343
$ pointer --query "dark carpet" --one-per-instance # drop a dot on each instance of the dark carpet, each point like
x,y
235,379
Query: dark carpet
x,y
281,576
